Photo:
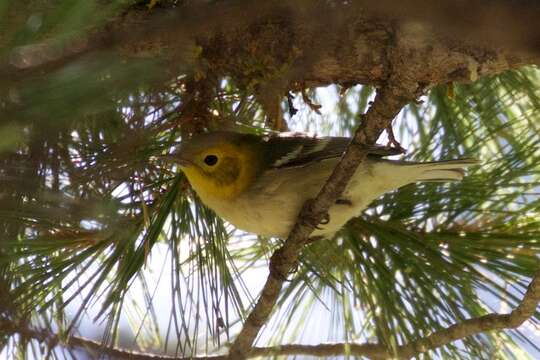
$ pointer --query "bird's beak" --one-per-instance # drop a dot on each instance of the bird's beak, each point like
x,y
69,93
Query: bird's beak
x,y
176,158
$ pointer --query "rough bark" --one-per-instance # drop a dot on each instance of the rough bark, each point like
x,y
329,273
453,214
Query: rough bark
x,y
275,46
498,23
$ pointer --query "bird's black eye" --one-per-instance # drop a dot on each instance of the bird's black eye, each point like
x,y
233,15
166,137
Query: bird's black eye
x,y
210,160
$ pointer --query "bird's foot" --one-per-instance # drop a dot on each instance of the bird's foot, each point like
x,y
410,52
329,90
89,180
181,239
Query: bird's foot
x,y
392,142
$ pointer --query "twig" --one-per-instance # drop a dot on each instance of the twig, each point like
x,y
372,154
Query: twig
x,y
387,104
47,337
521,313
307,100
514,319
292,109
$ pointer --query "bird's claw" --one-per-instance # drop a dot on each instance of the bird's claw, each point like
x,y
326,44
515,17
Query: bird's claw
x,y
392,142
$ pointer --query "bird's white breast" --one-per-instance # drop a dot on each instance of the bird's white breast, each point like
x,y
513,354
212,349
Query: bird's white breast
x,y
271,206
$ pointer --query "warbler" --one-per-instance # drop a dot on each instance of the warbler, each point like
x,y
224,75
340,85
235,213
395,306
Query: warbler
x,y
259,183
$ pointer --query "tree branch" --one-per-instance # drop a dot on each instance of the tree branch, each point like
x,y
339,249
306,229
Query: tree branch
x,y
495,321
472,21
310,55
387,104
45,336
514,319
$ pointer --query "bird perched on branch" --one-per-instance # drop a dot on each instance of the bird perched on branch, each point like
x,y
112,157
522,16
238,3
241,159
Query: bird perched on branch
x,y
259,184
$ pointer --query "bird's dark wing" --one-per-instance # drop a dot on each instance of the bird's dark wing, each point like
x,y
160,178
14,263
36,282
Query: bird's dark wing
x,y
300,150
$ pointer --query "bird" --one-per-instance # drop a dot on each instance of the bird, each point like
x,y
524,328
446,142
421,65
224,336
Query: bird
x,y
259,183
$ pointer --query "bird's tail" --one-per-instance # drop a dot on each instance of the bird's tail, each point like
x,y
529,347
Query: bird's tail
x,y
441,171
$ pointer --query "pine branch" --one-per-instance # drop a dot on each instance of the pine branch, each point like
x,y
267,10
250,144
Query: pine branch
x,y
386,106
47,337
490,322
495,321
171,34
514,319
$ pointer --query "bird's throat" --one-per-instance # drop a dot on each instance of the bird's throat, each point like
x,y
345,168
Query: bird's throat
x,y
211,189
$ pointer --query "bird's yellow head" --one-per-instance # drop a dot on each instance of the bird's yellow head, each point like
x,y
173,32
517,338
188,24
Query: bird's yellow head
x,y
219,165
